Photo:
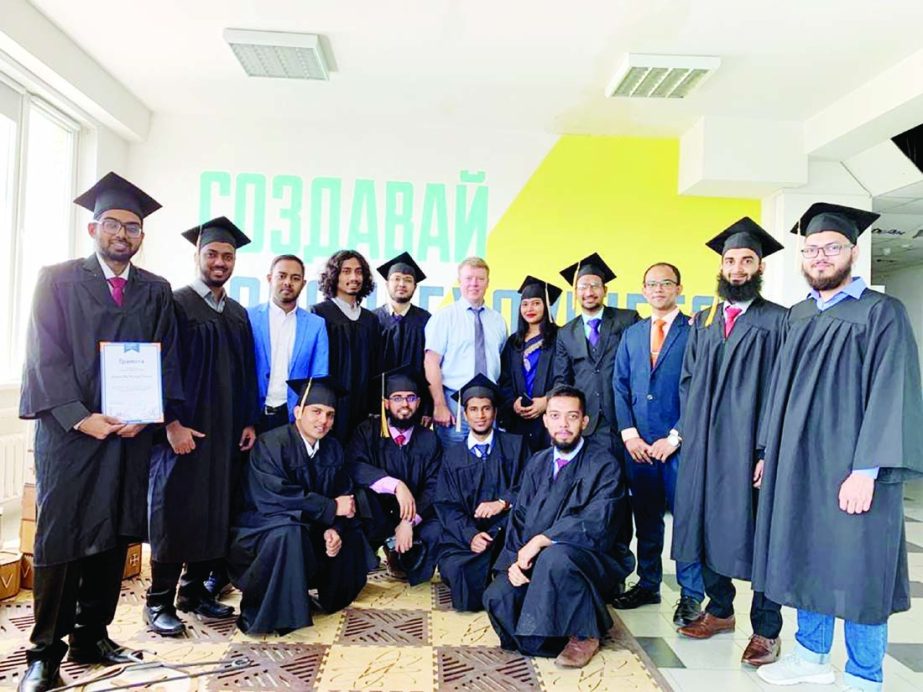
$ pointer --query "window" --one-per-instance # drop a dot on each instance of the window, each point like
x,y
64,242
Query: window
x,y
38,146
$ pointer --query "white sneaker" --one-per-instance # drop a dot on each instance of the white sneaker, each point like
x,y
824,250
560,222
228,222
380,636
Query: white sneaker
x,y
792,670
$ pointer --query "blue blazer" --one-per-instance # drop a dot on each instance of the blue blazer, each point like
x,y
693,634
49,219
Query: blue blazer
x,y
646,398
309,356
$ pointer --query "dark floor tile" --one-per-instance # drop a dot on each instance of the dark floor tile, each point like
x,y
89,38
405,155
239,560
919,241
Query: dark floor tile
x,y
914,548
670,580
660,652
916,589
911,655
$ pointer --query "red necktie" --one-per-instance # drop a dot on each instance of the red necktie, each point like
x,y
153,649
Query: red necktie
x,y
731,313
399,440
118,289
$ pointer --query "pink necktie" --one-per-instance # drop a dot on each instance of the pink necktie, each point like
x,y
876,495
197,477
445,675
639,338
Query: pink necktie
x,y
731,313
560,464
399,440
118,289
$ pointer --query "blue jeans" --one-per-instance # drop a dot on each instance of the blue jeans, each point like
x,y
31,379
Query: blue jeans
x,y
653,488
450,435
865,647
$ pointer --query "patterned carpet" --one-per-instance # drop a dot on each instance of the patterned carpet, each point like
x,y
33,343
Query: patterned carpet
x,y
393,638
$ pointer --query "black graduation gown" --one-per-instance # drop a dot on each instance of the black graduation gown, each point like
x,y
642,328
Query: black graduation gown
x,y
513,385
403,343
570,580
277,539
191,494
372,457
845,396
89,493
723,391
355,361
465,481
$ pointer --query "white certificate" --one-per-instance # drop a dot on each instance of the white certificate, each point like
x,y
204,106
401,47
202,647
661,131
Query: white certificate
x,y
131,382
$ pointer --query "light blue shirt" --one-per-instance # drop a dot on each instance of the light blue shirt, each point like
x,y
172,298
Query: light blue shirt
x,y
853,291
586,321
558,454
450,333
206,293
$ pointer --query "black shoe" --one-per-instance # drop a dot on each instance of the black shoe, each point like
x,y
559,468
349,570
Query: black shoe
x,y
104,652
40,676
162,620
206,607
217,586
635,597
688,610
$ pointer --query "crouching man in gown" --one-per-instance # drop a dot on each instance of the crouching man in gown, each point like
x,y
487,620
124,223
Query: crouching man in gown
x,y
557,568
296,529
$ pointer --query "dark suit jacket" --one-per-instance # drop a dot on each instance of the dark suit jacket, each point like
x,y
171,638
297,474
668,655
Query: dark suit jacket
x,y
648,398
590,369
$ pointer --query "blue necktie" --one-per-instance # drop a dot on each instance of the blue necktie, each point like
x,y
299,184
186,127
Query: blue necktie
x,y
594,331
482,450
480,350
397,318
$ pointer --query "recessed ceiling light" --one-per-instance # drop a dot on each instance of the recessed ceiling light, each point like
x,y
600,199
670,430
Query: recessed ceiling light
x,y
278,54
660,76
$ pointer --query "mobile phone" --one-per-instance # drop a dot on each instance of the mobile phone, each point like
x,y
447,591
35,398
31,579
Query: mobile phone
x,y
526,401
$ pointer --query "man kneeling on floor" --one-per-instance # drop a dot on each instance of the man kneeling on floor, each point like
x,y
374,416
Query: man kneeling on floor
x,y
556,570
296,529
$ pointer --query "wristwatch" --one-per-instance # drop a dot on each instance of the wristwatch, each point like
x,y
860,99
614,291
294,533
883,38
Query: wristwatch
x,y
674,439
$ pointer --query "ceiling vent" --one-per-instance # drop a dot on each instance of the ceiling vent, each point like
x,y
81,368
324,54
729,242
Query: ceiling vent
x,y
660,76
278,54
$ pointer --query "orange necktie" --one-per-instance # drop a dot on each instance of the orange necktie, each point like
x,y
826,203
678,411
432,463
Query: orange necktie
x,y
657,337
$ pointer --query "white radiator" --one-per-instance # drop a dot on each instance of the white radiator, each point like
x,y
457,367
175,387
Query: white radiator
x,y
13,459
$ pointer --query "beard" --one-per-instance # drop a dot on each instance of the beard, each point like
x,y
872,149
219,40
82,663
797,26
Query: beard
x,y
826,283
568,446
741,293
405,423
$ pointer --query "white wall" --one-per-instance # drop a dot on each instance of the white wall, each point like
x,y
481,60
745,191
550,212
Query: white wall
x,y
907,286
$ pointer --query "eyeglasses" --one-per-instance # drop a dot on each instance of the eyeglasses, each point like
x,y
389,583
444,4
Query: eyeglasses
x,y
589,287
112,226
830,250
398,399
666,283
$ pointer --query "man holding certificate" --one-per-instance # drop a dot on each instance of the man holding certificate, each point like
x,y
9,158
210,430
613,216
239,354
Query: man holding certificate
x,y
91,465
196,468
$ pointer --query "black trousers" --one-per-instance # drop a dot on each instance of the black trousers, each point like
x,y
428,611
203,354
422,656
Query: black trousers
x,y
165,576
270,421
765,615
75,598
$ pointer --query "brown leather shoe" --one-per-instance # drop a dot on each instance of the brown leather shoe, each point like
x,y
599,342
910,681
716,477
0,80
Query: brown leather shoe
x,y
577,653
707,626
761,651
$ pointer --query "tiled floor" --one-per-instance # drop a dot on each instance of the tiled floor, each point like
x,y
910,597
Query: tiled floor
x,y
714,665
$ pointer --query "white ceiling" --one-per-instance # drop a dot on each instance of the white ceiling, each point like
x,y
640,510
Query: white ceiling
x,y
504,64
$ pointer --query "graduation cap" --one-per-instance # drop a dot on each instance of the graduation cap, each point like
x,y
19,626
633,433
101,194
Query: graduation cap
x,y
537,288
404,378
822,216
112,191
479,385
404,264
316,390
218,230
745,234
590,265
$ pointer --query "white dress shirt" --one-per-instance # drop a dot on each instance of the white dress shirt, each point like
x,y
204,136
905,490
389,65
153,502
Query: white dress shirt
x,y
281,344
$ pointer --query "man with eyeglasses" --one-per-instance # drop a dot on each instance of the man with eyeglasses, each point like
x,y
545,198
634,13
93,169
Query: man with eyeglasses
x,y
844,432
726,376
91,469
646,382
477,486
397,461
585,358
403,325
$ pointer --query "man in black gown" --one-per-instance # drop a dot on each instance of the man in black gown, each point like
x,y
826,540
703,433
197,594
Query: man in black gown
x,y
723,390
557,568
91,469
844,431
477,486
196,467
402,323
397,460
296,528
354,337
